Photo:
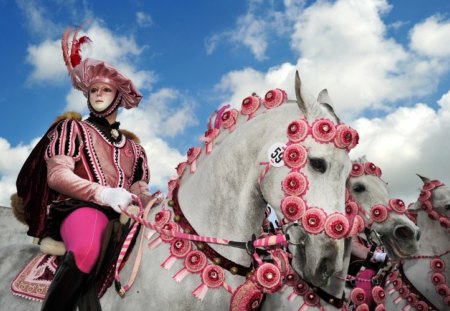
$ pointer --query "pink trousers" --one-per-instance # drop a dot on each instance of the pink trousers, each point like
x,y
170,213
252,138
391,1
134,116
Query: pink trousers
x,y
82,233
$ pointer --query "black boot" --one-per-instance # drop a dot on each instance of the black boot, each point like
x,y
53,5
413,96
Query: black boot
x,y
66,286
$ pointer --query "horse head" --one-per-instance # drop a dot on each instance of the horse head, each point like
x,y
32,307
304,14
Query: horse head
x,y
387,217
311,199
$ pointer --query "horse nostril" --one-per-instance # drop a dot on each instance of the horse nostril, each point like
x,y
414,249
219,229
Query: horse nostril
x,y
404,233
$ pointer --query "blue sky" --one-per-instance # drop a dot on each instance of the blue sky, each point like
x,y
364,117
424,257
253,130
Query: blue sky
x,y
385,63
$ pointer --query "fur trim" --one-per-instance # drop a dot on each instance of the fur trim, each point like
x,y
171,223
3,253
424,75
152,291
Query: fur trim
x,y
132,209
130,135
17,208
51,246
68,115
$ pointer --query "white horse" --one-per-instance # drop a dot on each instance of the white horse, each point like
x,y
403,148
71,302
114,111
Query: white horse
x,y
398,233
222,191
422,281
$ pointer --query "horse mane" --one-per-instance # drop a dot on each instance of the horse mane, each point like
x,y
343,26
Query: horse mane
x,y
362,159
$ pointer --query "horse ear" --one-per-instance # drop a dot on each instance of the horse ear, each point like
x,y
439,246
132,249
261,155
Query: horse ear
x,y
424,179
324,98
298,93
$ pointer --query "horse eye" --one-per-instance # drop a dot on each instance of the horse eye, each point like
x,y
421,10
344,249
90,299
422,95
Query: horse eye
x,y
447,207
359,188
318,164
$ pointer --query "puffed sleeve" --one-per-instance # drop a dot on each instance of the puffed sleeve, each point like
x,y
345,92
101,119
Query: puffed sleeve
x,y
63,151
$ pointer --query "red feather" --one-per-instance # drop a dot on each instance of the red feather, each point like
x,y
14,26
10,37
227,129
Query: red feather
x,y
75,53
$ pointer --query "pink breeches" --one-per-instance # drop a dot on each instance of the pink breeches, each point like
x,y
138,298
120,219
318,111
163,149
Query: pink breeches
x,y
82,233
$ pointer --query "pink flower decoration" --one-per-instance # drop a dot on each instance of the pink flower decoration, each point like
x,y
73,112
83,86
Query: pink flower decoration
x,y
213,276
229,118
297,130
195,261
403,291
323,130
378,294
357,296
362,307
355,140
370,168
295,183
421,306
378,213
295,156
397,205
311,299
424,195
181,167
247,297
344,136
171,226
397,283
358,225
444,221
412,299
192,155
426,206
428,186
162,217
351,208
268,276
393,276
336,226
301,288
180,248
209,137
313,220
293,208
357,169
250,105
437,265
291,279
443,290
274,98
433,215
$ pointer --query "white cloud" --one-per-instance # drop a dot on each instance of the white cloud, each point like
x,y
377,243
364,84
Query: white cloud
x,y
37,21
430,38
144,20
43,57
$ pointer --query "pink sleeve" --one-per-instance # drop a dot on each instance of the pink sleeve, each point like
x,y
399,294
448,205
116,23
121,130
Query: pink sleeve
x,y
60,177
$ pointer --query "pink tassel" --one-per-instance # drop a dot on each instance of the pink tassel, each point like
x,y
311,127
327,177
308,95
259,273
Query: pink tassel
x,y
168,263
153,244
149,234
292,296
200,292
397,300
303,307
193,167
406,308
208,148
391,291
180,275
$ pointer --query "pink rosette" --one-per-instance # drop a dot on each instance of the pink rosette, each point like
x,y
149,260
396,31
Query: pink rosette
x,y
421,306
397,205
194,262
301,288
162,217
293,208
295,156
444,221
433,215
392,276
437,183
351,208
180,168
209,137
427,206
443,290
412,299
291,279
428,186
357,169
424,195
274,98
295,183
323,130
362,307
336,226
297,130
229,118
370,168
378,213
380,308
268,276
344,137
172,227
192,155
397,283
178,249
250,105
378,294
437,265
403,291
355,140
313,220
171,184
311,299
358,225
247,297
357,296
212,277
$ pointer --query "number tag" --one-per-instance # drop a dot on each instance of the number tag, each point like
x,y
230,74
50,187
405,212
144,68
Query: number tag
x,y
275,154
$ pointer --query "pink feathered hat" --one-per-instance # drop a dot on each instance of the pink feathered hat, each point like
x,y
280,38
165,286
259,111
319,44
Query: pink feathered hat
x,y
89,71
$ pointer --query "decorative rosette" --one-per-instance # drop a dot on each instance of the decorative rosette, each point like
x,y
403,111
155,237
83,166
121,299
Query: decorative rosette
x,y
194,262
336,226
293,208
300,289
397,283
372,169
295,183
172,227
209,137
378,213
228,119
178,249
403,291
358,225
268,276
250,105
291,279
247,297
344,137
323,130
297,130
412,299
443,290
378,294
313,220
444,221
438,278
181,167
437,265
397,205
164,226
212,277
421,306
162,217
392,276
362,307
357,296
433,215
426,206
311,299
424,195
192,155
274,98
357,169
355,139
295,156
171,184
351,208
380,308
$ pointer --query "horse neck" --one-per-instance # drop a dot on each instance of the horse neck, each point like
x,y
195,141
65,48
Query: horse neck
x,y
434,238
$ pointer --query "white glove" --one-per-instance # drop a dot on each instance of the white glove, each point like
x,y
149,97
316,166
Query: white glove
x,y
379,256
117,198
